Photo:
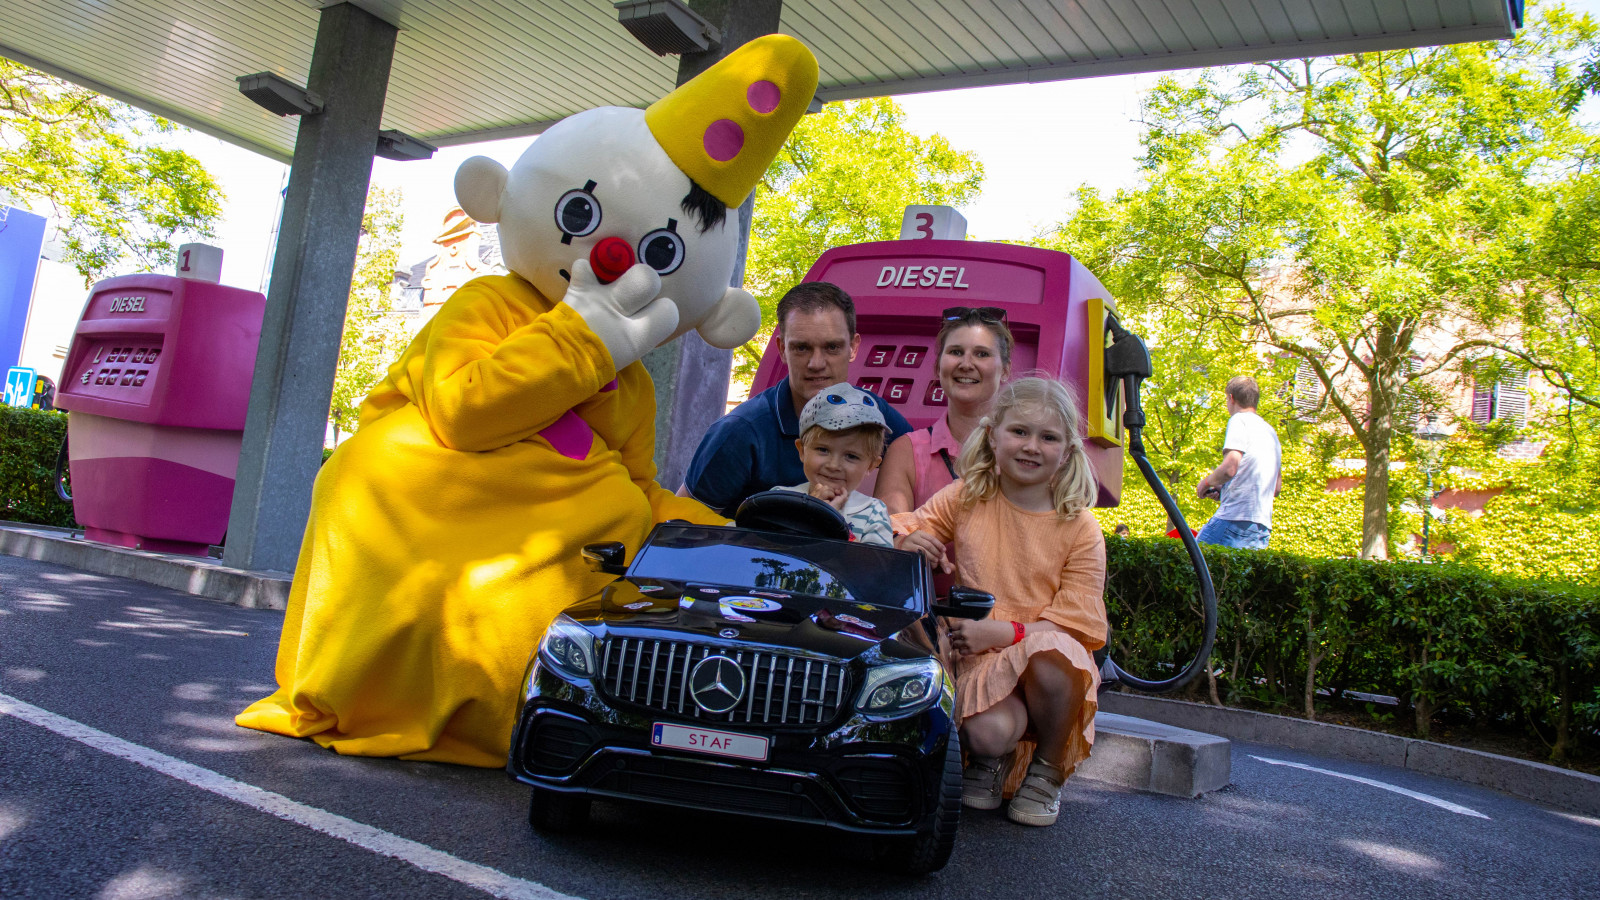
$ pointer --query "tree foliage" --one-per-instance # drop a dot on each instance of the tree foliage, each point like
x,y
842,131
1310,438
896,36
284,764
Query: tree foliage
x,y
123,201
1382,219
373,336
845,176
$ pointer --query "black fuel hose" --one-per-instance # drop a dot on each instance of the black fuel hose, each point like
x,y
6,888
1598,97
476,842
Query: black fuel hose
x,y
58,482
1128,360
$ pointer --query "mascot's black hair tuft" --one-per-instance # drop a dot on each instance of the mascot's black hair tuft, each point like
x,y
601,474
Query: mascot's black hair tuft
x,y
700,203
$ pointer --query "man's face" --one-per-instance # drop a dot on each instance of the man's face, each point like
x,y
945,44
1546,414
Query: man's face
x,y
1232,406
818,348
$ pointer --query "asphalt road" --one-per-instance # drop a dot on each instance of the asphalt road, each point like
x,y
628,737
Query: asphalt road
x,y
98,672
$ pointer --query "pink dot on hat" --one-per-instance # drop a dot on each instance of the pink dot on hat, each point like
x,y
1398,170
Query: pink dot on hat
x,y
763,96
724,139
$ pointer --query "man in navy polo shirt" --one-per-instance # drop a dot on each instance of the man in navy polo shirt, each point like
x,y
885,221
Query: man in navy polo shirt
x,y
751,449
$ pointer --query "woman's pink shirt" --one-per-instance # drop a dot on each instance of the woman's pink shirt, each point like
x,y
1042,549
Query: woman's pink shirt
x,y
931,472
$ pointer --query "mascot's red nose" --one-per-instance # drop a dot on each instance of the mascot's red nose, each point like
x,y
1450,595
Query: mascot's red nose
x,y
610,258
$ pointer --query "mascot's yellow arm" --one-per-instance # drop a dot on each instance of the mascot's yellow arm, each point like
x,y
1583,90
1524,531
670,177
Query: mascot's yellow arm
x,y
445,534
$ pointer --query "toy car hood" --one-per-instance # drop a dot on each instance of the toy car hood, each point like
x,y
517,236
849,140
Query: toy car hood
x,y
839,628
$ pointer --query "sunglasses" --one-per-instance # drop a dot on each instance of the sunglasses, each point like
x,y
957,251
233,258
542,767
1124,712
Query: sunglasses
x,y
991,314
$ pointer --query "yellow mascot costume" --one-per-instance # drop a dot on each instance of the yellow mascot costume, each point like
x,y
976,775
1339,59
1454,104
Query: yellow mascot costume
x,y
519,424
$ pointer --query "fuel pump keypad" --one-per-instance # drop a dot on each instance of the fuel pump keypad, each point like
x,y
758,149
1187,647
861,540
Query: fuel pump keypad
x,y
117,366
899,390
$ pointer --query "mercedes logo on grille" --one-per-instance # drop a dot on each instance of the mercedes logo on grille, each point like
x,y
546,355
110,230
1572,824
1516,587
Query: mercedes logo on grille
x,y
716,684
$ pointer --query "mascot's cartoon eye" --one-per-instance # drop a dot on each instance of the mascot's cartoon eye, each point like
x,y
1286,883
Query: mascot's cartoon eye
x,y
662,250
578,212
835,399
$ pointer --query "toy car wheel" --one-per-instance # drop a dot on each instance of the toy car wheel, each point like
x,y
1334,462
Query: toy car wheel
x,y
559,813
929,850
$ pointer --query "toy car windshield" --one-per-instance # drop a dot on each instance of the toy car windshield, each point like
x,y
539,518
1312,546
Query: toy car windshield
x,y
779,562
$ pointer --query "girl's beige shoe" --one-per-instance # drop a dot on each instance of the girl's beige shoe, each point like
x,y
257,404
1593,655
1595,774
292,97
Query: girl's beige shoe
x,y
981,781
1038,800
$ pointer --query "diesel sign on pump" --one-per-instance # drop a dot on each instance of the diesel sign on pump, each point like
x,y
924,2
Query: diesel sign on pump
x,y
953,277
126,304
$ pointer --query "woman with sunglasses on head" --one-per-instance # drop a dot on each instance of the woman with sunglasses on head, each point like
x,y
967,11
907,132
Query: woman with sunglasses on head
x,y
974,359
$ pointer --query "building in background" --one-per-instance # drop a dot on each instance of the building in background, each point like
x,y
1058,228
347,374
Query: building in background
x,y
56,302
467,249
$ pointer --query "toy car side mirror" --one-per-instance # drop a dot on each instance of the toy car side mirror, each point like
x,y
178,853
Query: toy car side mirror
x,y
607,557
964,603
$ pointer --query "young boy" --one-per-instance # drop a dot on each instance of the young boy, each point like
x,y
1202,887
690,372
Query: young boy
x,y
841,439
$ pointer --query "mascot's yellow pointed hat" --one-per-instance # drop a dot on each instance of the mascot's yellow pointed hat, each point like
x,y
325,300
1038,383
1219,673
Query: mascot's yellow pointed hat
x,y
726,125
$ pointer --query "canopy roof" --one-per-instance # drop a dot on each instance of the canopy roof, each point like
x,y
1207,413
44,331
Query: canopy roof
x,y
470,71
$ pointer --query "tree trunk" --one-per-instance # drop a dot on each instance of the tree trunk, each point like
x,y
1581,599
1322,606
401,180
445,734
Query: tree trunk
x,y
1422,706
1375,505
1375,484
1558,753
1270,670
1313,659
1383,397
1424,715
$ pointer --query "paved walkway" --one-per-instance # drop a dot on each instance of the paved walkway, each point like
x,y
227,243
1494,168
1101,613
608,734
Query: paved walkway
x,y
124,776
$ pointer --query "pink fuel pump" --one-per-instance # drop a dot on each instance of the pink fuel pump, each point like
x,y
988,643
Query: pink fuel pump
x,y
1063,321
156,385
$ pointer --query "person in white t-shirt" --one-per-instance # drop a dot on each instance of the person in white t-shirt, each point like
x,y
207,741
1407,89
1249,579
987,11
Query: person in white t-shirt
x,y
1249,477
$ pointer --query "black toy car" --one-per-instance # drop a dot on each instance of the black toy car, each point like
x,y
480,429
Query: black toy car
x,y
771,668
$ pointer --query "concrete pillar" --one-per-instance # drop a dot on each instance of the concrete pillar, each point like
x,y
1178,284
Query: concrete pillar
x,y
311,270
691,376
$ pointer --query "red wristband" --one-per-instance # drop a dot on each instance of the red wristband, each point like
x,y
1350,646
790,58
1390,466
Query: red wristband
x,y
1020,632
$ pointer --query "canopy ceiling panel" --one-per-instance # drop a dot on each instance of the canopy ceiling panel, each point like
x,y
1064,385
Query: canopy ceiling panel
x,y
466,71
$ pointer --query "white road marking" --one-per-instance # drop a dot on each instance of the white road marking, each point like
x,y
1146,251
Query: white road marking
x,y
490,881
1415,795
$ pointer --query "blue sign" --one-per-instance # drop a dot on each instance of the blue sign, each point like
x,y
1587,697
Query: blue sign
x,y
19,386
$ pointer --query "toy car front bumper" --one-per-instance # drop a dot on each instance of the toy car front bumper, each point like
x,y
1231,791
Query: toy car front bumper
x,y
856,775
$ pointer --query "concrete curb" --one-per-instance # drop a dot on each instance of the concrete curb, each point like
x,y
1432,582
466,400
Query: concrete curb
x,y
1575,791
1162,759
191,575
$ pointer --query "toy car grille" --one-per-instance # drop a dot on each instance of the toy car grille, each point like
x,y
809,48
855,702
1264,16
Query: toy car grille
x,y
779,689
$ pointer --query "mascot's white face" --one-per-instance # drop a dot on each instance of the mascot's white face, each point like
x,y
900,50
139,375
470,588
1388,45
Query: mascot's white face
x,y
601,174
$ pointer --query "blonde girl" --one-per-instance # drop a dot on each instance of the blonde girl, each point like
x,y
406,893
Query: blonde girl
x,y
1020,523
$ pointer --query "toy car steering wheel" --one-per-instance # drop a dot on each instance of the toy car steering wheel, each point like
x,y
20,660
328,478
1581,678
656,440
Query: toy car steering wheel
x,y
789,512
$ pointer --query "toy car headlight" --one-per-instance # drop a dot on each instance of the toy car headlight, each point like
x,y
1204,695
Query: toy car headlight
x,y
900,689
569,648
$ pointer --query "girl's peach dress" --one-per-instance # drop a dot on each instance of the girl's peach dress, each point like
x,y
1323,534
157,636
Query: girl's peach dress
x,y
1039,567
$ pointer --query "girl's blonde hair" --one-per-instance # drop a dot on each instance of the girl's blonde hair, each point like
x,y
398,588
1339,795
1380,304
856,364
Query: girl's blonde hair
x,y
1074,486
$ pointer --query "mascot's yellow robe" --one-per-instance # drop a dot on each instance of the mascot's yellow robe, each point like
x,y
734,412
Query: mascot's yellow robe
x,y
445,534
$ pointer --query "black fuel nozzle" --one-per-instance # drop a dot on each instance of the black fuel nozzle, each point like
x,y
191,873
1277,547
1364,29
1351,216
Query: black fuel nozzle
x,y
1128,359
1127,354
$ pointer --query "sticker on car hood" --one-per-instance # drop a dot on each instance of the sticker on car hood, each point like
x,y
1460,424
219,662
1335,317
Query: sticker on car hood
x,y
754,604
859,623
846,625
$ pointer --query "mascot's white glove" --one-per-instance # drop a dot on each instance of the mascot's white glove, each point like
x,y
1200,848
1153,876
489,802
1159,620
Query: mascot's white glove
x,y
626,315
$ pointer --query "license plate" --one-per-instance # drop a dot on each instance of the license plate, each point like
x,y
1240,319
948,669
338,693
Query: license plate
x,y
706,740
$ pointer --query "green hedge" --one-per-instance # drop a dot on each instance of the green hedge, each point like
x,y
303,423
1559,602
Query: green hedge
x,y
29,442
1445,639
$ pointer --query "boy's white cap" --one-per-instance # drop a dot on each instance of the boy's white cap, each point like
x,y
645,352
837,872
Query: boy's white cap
x,y
841,407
